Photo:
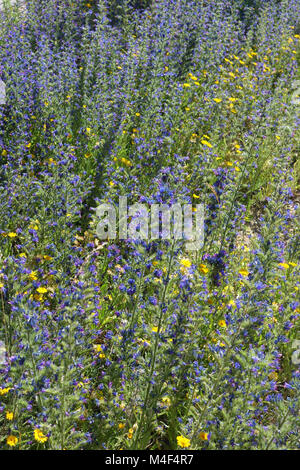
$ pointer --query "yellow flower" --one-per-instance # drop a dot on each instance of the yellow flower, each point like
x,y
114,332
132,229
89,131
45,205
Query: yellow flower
x,y
155,329
203,436
186,263
23,255
208,144
186,85
33,275
273,375
12,235
222,323
9,415
4,391
126,162
121,425
40,436
183,441
284,265
42,290
38,298
166,401
244,272
217,100
203,268
12,441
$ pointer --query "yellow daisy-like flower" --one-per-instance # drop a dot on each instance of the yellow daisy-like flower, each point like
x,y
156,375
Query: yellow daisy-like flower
x,y
12,441
40,436
186,263
4,391
12,234
42,290
284,265
273,375
222,323
166,401
126,162
244,272
183,441
203,268
203,436
9,415
155,329
121,426
208,144
33,275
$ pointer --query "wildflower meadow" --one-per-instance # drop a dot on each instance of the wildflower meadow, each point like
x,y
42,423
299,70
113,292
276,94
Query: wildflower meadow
x,y
118,333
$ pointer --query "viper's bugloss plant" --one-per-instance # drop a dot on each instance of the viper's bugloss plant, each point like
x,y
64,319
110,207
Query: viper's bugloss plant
x,y
142,344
